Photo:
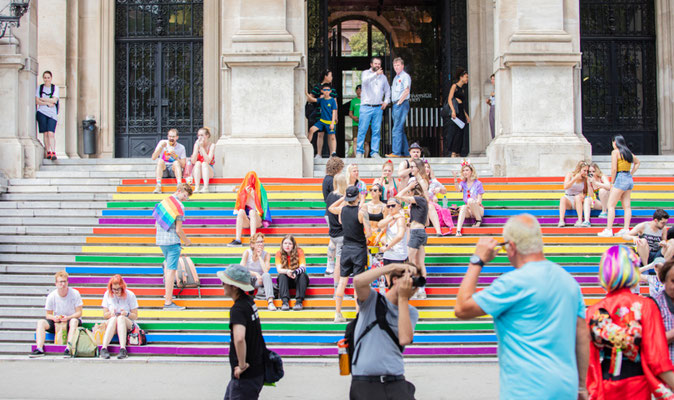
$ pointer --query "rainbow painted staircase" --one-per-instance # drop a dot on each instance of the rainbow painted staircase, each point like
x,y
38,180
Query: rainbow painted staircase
x,y
93,219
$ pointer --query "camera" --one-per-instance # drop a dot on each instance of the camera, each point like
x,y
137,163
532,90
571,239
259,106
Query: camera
x,y
418,281
590,174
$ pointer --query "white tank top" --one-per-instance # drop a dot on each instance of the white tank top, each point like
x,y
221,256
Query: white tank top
x,y
399,251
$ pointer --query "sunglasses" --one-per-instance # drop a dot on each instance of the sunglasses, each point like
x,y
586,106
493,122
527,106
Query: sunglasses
x,y
391,205
501,246
374,190
325,90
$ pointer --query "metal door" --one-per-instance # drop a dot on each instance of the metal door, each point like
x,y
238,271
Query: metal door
x,y
159,73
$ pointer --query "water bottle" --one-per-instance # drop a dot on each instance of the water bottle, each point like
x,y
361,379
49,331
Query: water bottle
x,y
343,354
444,201
382,284
188,168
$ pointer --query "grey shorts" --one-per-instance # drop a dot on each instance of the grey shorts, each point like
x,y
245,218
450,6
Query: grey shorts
x,y
623,181
418,238
339,243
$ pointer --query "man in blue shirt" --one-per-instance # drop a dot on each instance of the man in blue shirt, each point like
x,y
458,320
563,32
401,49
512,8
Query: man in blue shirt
x,y
538,312
400,96
375,96
327,121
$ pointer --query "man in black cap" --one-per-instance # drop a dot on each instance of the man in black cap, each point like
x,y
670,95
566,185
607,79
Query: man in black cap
x,y
405,167
246,347
356,228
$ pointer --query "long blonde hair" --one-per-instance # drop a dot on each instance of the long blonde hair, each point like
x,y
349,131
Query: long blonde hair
x,y
347,173
597,170
339,184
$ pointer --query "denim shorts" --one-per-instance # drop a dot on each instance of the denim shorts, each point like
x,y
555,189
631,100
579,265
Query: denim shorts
x,y
623,181
172,255
418,238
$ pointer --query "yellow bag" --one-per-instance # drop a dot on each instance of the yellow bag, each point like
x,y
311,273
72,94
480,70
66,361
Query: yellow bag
x,y
61,333
99,332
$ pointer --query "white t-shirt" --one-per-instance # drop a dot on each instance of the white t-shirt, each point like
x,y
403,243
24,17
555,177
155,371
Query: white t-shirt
x,y
47,110
63,305
171,154
116,304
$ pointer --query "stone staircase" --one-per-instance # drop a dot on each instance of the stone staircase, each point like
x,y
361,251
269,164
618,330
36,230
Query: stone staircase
x,y
91,217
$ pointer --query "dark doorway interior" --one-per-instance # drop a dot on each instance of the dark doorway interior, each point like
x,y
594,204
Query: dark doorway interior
x,y
159,73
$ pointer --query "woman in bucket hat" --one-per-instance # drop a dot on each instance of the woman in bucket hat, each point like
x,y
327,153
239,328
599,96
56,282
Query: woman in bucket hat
x,y
246,347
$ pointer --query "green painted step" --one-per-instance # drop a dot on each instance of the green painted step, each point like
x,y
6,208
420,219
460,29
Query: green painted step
x,y
319,204
219,204
317,260
290,327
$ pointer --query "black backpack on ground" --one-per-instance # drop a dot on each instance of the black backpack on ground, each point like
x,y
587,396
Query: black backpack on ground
x,y
380,311
53,89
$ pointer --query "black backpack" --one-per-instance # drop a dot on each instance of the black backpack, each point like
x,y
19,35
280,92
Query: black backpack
x,y
53,89
380,312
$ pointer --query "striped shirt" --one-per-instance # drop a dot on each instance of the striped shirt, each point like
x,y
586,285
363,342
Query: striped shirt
x,y
167,238
667,318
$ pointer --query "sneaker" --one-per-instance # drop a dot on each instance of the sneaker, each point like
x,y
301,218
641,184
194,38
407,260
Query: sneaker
x,y
66,353
285,306
586,224
205,189
561,224
53,157
298,305
334,154
36,353
234,243
360,155
157,189
605,233
122,354
318,157
603,215
621,232
578,223
375,155
421,293
173,307
104,353
339,318
415,295
393,156
271,306
48,157
328,274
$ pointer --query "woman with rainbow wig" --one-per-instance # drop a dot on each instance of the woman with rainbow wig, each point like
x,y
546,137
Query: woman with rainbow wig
x,y
629,358
251,207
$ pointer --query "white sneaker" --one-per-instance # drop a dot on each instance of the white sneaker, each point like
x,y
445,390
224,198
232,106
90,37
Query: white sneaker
x,y
157,189
318,157
375,155
605,233
339,318
421,293
359,155
621,232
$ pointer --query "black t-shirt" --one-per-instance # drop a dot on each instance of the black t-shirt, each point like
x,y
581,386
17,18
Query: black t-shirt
x,y
244,312
327,186
419,211
333,219
353,229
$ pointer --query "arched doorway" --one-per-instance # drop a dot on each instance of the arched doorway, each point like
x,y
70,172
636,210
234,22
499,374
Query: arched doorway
x,y
354,40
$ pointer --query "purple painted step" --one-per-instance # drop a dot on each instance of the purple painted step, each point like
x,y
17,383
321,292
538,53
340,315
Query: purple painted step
x,y
306,352
96,280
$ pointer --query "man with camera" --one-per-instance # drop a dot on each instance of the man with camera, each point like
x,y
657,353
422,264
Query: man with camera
x,y
377,365
539,314
375,96
171,158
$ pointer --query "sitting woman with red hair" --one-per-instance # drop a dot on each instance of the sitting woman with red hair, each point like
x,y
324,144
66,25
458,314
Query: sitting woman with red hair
x,y
120,310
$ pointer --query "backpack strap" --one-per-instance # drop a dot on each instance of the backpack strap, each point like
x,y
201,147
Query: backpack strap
x,y
380,311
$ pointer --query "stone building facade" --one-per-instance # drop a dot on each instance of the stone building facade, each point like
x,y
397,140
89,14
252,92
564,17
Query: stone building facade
x,y
253,66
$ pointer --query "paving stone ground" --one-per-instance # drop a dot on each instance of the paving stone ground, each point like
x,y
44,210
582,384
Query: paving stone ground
x,y
58,378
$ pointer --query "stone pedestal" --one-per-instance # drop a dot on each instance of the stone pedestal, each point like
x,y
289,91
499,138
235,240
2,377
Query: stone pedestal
x,y
263,90
21,152
537,48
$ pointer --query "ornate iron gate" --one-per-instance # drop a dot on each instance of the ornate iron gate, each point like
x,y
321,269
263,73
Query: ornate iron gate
x,y
159,73
619,74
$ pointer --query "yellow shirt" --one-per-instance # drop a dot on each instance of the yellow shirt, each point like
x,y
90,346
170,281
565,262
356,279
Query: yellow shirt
x,y
624,165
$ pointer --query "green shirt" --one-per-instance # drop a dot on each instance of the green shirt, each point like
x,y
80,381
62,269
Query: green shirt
x,y
355,109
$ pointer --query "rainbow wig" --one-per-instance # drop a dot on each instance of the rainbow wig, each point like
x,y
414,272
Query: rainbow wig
x,y
619,268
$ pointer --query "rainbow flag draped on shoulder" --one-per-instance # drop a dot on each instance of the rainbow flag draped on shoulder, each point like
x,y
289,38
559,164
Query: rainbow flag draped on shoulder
x,y
251,181
166,212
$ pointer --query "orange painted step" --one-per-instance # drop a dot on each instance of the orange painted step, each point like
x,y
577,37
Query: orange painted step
x,y
226,181
314,303
270,188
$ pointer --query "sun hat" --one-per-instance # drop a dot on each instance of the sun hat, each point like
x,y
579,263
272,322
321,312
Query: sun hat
x,y
236,275
352,193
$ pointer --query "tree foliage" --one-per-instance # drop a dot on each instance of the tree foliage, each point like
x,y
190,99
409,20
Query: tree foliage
x,y
358,42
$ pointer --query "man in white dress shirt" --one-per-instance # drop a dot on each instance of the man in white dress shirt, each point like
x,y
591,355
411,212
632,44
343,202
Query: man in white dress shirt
x,y
375,96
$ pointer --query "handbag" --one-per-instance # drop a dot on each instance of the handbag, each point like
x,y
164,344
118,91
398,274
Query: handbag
x,y
136,337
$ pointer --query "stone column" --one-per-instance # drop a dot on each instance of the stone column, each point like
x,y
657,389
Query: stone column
x,y
664,22
263,44
537,49
20,151
480,68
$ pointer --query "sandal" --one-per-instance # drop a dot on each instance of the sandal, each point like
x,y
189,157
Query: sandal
x,y
458,232
477,223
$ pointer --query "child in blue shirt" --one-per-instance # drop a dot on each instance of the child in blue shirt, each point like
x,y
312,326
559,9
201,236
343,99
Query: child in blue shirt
x,y
327,121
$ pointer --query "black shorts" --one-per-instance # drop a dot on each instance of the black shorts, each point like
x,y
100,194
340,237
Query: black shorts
x,y
52,326
354,260
168,172
45,123
418,238
652,255
386,261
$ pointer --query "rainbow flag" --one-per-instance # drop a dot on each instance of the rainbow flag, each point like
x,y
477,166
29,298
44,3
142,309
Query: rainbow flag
x,y
166,212
261,203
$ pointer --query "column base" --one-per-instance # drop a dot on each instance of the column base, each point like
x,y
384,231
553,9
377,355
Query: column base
x,y
520,155
268,157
